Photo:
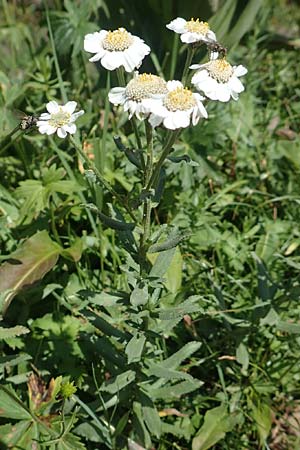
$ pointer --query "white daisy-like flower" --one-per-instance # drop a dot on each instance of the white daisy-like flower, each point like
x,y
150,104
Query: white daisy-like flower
x,y
59,118
132,97
218,79
192,30
177,109
116,48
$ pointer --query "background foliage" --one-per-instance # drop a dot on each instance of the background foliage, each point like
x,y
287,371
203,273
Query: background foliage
x,y
218,364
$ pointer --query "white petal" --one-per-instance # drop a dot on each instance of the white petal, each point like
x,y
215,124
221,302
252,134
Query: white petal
x,y
76,115
196,66
199,76
43,128
45,116
116,96
97,57
173,84
177,25
61,132
201,109
195,116
211,35
155,120
69,107
240,70
93,41
52,107
235,84
71,128
112,60
223,93
189,38
181,119
51,129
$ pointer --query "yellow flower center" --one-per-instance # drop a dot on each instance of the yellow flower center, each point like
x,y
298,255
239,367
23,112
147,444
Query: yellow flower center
x,y
220,70
59,119
197,26
117,41
145,85
179,99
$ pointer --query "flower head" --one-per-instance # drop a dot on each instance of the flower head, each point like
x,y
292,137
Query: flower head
x,y
116,48
192,30
176,109
59,118
218,80
132,97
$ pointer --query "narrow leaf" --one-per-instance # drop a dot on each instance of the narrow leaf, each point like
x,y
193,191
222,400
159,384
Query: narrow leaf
x,y
135,348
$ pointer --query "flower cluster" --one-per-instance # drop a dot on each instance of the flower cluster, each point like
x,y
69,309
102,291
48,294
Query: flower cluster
x,y
171,104
147,96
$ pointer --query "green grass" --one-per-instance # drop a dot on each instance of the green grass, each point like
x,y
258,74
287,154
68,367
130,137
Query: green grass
x,y
216,348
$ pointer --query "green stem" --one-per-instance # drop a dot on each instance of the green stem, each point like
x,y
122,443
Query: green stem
x,y
165,152
147,207
189,57
53,224
100,177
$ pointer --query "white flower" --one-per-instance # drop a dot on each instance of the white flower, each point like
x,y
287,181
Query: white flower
x,y
116,48
192,30
132,97
218,80
177,109
59,118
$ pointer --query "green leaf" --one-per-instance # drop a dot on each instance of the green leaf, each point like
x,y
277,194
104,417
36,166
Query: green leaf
x,y
139,295
217,422
19,435
119,382
262,415
111,223
288,327
169,374
173,240
244,22
74,252
28,264
10,405
135,347
150,414
174,391
242,356
177,358
139,425
162,263
18,330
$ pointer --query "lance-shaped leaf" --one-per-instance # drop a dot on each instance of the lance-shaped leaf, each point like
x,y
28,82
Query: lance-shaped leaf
x,y
112,223
28,264
217,422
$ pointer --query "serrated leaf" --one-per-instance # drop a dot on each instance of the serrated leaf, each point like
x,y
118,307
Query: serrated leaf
x,y
135,347
174,391
18,330
10,405
28,264
217,422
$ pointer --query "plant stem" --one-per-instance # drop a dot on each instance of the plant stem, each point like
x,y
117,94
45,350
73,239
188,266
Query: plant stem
x,y
147,202
166,150
100,177
189,57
